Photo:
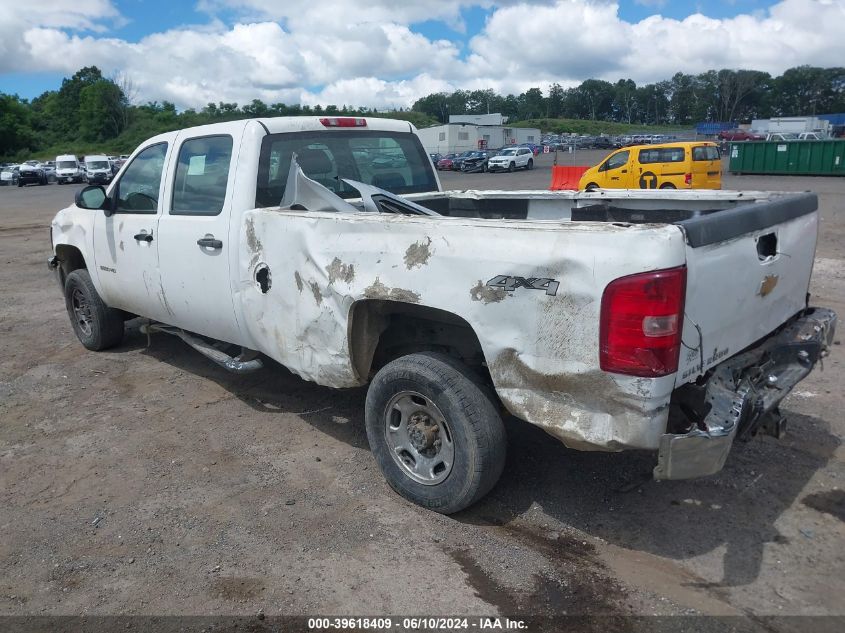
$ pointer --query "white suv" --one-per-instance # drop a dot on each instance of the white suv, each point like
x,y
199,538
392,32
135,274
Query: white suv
x,y
511,159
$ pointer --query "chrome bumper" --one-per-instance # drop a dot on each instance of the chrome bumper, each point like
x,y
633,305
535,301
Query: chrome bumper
x,y
742,391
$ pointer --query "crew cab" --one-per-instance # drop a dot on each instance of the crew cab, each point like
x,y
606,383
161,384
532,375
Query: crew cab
x,y
511,159
666,321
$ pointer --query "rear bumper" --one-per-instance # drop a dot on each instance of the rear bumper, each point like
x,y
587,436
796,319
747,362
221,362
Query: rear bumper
x,y
743,391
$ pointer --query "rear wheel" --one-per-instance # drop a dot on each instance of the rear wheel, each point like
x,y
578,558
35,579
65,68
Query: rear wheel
x,y
96,325
530,163
434,431
668,185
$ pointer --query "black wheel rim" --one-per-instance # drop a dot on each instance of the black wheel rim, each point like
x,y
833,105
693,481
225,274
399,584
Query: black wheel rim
x,y
82,311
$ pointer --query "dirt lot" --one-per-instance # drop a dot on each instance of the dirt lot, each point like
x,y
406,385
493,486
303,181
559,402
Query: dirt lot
x,y
146,480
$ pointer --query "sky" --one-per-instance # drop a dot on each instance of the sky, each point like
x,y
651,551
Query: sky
x,y
388,53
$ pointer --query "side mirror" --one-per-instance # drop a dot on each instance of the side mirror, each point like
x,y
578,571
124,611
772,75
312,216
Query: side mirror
x,y
93,197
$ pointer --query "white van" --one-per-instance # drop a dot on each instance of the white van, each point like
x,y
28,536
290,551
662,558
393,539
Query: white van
x,y
98,169
68,169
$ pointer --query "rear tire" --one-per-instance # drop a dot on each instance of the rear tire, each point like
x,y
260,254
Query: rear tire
x,y
434,431
96,325
668,185
530,163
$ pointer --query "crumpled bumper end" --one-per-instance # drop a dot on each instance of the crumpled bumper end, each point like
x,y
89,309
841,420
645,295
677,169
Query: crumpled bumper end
x,y
742,391
695,454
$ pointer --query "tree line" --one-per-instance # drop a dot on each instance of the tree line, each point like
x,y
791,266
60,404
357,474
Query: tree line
x,y
91,112
97,113
684,100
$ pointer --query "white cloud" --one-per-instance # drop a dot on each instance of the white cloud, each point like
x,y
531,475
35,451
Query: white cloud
x,y
17,20
366,53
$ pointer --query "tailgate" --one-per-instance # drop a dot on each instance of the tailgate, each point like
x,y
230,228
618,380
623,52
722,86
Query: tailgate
x,y
748,272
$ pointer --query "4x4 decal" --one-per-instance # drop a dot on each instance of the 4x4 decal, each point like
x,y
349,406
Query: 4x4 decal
x,y
510,283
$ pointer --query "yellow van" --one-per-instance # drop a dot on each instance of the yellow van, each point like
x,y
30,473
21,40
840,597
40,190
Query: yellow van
x,y
664,166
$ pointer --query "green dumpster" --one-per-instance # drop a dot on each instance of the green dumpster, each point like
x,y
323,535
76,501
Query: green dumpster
x,y
788,158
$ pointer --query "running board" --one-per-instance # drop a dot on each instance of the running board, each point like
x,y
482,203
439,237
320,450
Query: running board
x,y
246,362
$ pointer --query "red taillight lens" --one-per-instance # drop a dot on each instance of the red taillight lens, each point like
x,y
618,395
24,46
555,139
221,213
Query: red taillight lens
x,y
344,121
641,323
687,179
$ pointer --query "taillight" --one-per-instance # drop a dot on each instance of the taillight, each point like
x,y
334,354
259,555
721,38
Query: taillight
x,y
641,322
344,121
688,179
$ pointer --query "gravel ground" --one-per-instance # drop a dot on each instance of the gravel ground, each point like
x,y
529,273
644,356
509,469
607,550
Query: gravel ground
x,y
146,480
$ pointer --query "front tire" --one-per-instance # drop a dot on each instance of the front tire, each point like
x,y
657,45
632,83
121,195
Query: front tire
x,y
512,167
434,431
591,187
530,163
96,325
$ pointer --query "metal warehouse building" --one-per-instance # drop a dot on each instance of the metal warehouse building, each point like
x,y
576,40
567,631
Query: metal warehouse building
x,y
475,131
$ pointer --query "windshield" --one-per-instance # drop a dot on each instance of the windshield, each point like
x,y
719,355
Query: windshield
x,y
508,152
97,164
394,161
66,164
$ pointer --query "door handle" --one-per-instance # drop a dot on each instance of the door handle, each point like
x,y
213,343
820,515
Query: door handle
x,y
144,237
209,242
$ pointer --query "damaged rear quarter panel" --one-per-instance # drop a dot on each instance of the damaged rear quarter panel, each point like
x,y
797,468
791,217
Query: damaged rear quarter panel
x,y
541,349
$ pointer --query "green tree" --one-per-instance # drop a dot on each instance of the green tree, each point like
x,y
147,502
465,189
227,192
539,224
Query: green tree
x,y
101,111
15,127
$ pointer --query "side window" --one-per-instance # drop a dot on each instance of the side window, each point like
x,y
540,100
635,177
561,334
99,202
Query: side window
x,y
202,172
672,155
138,188
649,156
616,161
706,152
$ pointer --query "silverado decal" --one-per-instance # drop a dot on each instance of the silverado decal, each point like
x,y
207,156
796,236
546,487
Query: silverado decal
x,y
509,284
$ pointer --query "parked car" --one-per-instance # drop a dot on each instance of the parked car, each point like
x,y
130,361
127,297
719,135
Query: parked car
x,y
605,142
435,158
32,173
511,159
458,160
445,163
740,135
475,162
782,136
451,322
9,175
668,166
813,136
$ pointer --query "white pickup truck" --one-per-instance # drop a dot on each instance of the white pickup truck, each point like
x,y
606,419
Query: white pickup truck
x,y
669,321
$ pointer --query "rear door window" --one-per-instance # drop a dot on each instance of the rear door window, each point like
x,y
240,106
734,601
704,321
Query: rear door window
x,y
393,161
202,173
